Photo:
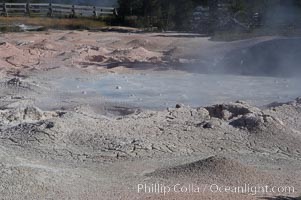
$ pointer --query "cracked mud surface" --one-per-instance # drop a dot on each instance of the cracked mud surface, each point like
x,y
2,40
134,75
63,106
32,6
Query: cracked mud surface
x,y
72,143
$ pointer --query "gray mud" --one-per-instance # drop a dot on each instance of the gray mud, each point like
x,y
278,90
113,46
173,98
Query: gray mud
x,y
71,127
159,90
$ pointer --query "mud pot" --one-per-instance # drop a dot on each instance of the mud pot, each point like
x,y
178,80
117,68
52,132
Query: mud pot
x,y
159,90
98,115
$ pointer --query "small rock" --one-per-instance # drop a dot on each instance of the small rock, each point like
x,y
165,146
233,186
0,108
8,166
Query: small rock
x,y
118,87
242,102
50,125
208,125
249,121
179,106
14,81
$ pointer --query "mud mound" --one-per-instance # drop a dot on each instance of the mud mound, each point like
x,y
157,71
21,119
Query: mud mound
x,y
242,115
252,121
24,114
93,54
102,51
138,54
7,49
229,111
12,56
44,45
277,57
96,58
145,43
26,133
93,50
214,170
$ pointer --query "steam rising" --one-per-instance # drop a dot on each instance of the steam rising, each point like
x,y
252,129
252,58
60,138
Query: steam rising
x,y
285,13
276,57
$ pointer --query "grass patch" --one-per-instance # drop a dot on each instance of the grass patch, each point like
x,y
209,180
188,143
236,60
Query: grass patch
x,y
55,23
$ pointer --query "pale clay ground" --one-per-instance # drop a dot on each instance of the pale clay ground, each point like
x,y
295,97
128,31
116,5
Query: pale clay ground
x,y
60,145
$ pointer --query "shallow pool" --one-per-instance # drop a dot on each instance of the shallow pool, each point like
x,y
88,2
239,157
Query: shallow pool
x,y
157,90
